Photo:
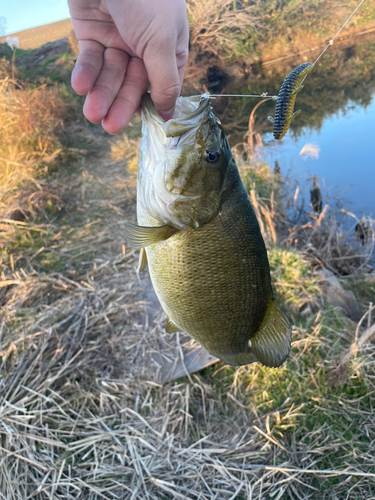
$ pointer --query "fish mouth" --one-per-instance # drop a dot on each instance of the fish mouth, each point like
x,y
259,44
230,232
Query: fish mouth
x,y
189,113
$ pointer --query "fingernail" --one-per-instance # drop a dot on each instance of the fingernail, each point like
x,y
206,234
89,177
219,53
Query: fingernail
x,y
103,124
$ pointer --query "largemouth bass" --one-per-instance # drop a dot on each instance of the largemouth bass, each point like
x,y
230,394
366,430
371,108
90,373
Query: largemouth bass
x,y
199,235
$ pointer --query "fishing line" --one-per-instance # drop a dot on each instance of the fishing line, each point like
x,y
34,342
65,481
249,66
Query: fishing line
x,y
265,94
339,31
332,39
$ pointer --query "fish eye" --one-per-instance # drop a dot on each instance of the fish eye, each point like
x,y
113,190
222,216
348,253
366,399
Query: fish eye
x,y
211,156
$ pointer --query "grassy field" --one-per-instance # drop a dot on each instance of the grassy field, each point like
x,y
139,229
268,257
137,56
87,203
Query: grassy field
x,y
83,412
35,37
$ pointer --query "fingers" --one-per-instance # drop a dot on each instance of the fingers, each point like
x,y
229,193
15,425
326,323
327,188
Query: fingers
x,y
88,66
107,85
114,82
128,98
165,84
116,77
165,58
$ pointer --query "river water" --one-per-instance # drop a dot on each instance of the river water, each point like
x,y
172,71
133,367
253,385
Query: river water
x,y
344,161
337,119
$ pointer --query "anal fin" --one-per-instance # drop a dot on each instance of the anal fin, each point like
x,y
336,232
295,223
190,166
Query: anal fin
x,y
171,327
244,358
271,343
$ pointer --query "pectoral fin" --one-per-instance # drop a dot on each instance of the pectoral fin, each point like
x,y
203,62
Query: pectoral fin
x,y
141,236
271,343
142,263
171,327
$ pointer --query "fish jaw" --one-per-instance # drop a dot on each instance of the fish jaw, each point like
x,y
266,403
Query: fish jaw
x,y
181,164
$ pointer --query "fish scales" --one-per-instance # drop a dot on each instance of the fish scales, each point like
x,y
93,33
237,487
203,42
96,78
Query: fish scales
x,y
184,270
210,269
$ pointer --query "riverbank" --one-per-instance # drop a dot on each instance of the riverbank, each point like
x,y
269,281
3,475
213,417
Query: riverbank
x,y
265,34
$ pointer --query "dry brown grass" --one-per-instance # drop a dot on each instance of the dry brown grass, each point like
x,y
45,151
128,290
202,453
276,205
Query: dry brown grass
x,y
83,413
216,25
123,148
328,241
30,120
341,369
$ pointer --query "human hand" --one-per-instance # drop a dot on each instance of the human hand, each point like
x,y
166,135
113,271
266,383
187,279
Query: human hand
x,y
125,47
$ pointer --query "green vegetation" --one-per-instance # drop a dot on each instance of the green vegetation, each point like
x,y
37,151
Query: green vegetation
x,y
293,278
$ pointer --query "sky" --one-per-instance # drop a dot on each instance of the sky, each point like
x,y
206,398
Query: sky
x,y
24,14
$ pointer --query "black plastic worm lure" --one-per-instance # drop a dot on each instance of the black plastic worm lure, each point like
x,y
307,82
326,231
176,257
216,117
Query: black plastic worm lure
x,y
286,98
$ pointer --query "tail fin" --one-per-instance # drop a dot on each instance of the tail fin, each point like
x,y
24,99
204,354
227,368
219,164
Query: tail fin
x,y
271,343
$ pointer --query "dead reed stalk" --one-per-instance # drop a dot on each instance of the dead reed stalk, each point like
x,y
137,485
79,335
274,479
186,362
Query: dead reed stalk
x,y
329,241
30,119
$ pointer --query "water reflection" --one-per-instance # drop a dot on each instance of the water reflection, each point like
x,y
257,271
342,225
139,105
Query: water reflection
x,y
345,164
338,115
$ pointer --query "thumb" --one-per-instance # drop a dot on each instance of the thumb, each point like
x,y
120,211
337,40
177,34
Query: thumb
x,y
165,84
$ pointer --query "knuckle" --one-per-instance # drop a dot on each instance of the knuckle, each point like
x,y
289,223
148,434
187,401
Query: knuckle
x,y
102,87
167,92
